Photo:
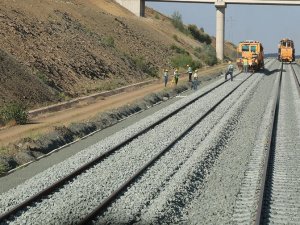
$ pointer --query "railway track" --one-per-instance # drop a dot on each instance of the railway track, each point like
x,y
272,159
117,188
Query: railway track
x,y
281,198
270,190
145,164
296,76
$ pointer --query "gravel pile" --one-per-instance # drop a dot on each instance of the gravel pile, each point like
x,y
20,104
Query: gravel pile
x,y
91,187
283,200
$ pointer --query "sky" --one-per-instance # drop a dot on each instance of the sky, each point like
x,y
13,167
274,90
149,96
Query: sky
x,y
264,23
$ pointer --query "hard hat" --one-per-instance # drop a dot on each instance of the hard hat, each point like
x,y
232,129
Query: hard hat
x,y
176,70
187,65
166,70
229,62
196,70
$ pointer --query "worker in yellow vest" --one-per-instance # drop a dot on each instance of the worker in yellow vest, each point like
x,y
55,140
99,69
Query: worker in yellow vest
x,y
166,77
245,65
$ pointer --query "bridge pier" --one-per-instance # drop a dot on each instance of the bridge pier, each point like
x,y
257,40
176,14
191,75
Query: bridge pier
x,y
135,6
220,28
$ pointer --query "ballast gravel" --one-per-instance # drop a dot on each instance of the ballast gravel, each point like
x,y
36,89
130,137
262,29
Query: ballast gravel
x,y
175,169
297,70
283,200
71,203
205,194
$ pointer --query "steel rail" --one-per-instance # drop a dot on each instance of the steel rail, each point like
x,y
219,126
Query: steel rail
x,y
270,143
296,79
48,190
104,204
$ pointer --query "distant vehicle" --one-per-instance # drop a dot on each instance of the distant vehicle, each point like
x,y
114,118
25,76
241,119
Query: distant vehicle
x,y
253,51
286,50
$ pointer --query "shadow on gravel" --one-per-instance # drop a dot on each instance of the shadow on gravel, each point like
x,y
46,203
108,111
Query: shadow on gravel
x,y
33,122
271,72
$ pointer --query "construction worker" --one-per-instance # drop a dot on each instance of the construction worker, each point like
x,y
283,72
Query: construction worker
x,y
176,76
166,77
245,65
190,72
229,71
195,80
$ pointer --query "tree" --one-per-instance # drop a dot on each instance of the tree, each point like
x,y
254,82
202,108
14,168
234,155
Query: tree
x,y
177,21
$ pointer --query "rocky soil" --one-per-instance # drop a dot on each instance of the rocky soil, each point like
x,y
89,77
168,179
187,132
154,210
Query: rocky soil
x,y
71,48
13,75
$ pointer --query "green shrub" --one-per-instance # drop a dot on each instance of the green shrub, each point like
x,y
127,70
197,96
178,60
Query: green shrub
x,y
109,41
42,77
210,53
198,52
211,60
2,123
196,64
177,22
2,168
179,50
156,16
62,96
207,54
175,37
110,84
182,60
14,111
198,34
147,67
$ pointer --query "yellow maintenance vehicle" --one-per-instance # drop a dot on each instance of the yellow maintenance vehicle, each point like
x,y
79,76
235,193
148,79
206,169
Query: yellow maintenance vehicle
x,y
286,50
253,52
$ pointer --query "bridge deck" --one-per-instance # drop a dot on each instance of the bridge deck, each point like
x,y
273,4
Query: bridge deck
x,y
247,2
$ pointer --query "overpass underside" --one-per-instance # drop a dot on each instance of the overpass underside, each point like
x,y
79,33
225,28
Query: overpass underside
x,y
246,2
138,8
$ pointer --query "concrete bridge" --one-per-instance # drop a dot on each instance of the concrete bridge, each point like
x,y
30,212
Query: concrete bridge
x,y
138,8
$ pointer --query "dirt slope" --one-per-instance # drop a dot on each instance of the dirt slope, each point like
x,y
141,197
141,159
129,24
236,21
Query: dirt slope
x,y
75,47
17,83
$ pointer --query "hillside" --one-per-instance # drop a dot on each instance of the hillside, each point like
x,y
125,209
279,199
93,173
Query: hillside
x,y
54,50
18,83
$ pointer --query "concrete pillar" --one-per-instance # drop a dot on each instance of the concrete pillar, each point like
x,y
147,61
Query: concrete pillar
x,y
135,6
220,28
142,7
